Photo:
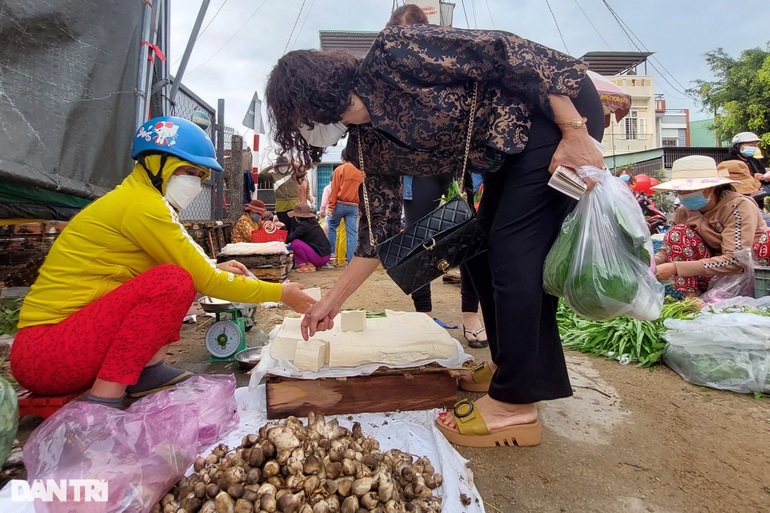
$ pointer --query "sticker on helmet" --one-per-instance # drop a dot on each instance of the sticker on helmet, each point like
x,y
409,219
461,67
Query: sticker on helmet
x,y
164,133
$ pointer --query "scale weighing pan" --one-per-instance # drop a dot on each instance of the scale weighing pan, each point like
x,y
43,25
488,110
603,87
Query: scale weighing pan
x,y
248,358
213,305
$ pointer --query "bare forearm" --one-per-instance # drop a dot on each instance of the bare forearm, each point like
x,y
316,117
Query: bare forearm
x,y
563,109
356,273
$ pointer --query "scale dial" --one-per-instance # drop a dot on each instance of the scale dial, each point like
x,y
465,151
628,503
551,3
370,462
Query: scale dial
x,y
223,339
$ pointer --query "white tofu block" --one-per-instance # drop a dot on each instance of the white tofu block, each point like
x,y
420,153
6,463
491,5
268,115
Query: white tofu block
x,y
315,293
311,355
353,320
285,344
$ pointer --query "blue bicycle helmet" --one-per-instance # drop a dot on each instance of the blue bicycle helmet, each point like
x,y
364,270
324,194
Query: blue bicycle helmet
x,y
175,136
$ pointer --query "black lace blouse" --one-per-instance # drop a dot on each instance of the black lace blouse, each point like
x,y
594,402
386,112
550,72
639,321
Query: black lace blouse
x,y
417,84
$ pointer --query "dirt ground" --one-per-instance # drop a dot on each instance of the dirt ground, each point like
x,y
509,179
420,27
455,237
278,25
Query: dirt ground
x,y
629,440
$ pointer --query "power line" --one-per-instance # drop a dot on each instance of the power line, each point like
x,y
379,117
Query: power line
x,y
623,27
233,37
307,15
467,23
204,28
557,25
491,19
295,25
594,26
212,19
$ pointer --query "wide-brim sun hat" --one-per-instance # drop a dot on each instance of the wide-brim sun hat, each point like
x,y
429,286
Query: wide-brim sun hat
x,y
693,173
738,171
256,206
301,210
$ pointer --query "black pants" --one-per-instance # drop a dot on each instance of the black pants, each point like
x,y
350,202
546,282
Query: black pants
x,y
522,216
426,192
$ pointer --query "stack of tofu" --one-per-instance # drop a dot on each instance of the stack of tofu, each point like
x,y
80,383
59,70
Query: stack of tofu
x,y
398,339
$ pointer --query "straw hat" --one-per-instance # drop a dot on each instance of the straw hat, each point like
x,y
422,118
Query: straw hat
x,y
301,210
739,171
693,173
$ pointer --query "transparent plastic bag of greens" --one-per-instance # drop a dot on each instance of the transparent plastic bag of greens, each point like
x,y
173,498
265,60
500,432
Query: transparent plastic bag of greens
x,y
727,351
9,418
601,262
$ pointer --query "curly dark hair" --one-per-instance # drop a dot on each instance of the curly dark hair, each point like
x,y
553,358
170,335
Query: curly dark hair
x,y
408,14
304,88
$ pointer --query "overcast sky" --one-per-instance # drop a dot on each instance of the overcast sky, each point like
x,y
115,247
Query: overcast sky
x,y
679,32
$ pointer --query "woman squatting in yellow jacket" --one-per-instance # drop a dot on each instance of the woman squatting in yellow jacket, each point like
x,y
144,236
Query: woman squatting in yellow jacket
x,y
118,281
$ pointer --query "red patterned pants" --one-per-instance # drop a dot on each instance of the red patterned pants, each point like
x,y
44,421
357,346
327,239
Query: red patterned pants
x,y
112,338
685,245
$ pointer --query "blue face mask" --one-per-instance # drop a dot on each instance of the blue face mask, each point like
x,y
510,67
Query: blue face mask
x,y
625,178
256,217
749,151
694,200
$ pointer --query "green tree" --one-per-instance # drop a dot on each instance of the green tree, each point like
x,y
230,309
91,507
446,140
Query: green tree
x,y
740,95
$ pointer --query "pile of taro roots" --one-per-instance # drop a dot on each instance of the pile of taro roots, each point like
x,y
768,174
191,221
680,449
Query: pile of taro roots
x,y
319,468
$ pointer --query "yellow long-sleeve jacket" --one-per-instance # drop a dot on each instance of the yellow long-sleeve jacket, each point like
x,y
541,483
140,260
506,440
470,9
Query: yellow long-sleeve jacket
x,y
119,236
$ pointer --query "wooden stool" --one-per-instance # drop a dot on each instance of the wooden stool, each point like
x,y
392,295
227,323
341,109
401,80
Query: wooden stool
x,y
42,405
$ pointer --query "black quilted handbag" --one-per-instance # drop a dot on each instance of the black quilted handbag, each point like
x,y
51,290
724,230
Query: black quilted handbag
x,y
438,242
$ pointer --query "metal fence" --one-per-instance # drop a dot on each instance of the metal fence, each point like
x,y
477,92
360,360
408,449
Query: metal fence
x,y
223,196
235,165
185,105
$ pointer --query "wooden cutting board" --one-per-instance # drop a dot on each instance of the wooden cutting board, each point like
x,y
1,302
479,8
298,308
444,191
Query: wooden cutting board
x,y
421,388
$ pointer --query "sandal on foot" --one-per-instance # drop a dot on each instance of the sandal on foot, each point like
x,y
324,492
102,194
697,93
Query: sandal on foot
x,y
481,377
471,431
306,268
474,341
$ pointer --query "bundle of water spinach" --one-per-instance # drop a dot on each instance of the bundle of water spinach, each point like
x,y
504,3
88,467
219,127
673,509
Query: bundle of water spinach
x,y
622,338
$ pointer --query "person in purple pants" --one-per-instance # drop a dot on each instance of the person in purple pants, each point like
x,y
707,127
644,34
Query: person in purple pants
x,y
308,240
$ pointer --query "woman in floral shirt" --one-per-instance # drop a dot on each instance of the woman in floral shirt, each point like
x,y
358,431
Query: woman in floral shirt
x,y
407,105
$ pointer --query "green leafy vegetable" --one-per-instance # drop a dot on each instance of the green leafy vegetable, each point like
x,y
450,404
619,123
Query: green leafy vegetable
x,y
9,316
621,338
595,288
453,191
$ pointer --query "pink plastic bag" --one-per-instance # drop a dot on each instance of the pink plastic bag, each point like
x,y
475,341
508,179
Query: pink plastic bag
x,y
139,453
740,284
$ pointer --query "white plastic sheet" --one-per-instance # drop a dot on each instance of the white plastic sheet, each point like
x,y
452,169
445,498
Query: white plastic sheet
x,y
411,431
254,248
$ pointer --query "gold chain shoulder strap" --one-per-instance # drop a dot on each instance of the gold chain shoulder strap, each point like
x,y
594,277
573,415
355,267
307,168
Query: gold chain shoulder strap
x,y
470,132
468,138
363,185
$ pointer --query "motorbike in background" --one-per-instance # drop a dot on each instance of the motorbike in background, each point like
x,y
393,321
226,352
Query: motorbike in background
x,y
657,222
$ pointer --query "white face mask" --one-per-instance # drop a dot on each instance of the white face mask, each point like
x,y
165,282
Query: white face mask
x,y
323,135
181,190
283,169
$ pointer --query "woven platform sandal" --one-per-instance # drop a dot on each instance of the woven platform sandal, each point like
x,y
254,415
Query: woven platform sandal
x,y
471,431
481,378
